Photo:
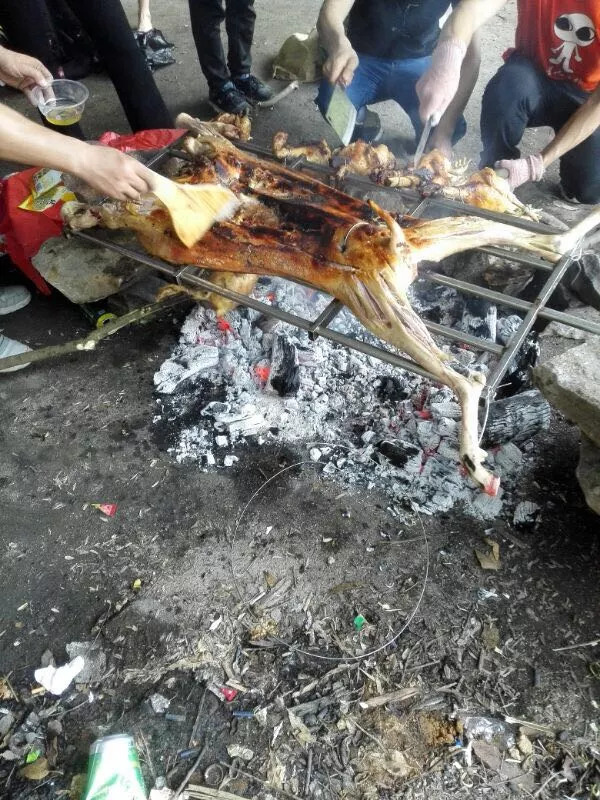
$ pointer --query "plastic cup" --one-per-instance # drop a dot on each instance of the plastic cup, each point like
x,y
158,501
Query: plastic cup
x,y
62,102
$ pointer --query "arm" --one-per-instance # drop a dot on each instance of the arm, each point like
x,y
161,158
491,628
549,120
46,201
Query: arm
x,y
438,86
468,17
22,72
107,170
469,72
341,57
579,126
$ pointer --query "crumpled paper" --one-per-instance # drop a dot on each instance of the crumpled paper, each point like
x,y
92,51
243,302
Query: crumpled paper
x,y
58,679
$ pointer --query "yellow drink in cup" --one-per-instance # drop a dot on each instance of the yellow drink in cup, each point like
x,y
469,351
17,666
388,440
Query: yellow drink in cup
x,y
62,102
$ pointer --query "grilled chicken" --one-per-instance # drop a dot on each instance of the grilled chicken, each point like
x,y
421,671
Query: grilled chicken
x,y
360,158
486,189
314,152
293,226
232,126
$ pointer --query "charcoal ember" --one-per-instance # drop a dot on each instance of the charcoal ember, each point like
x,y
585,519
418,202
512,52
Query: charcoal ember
x,y
285,368
525,514
479,318
516,419
518,375
398,451
441,304
506,327
389,387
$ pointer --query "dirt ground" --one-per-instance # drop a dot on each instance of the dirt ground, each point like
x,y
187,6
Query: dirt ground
x,y
196,582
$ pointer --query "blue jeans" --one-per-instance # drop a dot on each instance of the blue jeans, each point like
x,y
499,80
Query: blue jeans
x,y
379,79
521,96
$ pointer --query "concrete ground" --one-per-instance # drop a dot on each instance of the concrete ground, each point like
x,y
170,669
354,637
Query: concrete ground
x,y
79,430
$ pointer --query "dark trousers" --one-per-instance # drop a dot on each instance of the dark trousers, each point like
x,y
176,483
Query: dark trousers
x,y
28,25
206,17
521,96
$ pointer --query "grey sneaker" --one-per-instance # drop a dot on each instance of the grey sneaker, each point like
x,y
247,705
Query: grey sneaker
x,y
12,298
10,347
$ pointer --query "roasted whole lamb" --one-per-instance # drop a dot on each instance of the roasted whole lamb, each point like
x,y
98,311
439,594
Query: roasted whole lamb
x,y
293,226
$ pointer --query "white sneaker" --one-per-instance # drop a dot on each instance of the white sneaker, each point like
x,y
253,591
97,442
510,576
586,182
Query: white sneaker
x,y
12,298
10,347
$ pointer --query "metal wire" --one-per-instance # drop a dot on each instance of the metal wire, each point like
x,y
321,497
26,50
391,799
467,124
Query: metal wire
x,y
336,659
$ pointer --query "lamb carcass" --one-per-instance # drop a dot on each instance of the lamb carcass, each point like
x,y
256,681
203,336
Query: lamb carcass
x,y
293,226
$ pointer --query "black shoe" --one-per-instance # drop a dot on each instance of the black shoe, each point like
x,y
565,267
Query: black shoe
x,y
253,90
153,39
229,99
369,130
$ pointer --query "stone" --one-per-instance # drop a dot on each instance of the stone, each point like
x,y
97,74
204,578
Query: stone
x,y
586,313
584,279
571,383
588,473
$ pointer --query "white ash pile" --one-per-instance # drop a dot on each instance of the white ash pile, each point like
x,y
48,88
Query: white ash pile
x,y
367,422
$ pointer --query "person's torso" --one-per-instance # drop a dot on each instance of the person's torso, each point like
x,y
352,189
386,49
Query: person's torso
x,y
395,29
563,38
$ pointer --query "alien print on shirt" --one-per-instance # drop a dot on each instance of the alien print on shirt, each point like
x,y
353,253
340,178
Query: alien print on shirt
x,y
574,31
563,38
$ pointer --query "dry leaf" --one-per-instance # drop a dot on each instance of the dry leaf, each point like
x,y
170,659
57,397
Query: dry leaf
x,y
77,786
36,771
490,637
270,579
5,692
299,729
491,559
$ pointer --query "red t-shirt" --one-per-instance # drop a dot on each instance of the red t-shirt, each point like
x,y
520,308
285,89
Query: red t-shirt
x,y
563,38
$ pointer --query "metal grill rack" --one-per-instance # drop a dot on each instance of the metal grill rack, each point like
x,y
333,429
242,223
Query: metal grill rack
x,y
415,206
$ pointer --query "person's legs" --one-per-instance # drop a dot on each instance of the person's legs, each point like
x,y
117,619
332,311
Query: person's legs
x,y
401,87
206,17
37,39
580,171
144,16
514,99
107,26
240,17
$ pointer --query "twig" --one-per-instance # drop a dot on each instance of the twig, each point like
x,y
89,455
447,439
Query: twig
x,y
308,773
189,773
593,643
91,340
202,792
392,697
197,720
377,741
546,782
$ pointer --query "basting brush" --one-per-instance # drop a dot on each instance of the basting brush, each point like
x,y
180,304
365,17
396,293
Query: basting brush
x,y
193,209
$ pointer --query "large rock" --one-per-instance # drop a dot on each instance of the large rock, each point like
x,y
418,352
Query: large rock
x,y
571,382
588,473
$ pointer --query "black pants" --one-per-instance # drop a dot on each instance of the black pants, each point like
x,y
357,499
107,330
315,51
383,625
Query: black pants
x,y
28,26
206,17
521,96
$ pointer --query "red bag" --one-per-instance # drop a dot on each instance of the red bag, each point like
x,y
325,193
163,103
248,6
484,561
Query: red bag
x,y
24,232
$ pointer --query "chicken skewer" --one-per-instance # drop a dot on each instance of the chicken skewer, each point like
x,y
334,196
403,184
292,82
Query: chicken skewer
x,y
295,227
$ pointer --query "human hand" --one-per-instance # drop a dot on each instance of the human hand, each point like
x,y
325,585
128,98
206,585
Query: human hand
x,y
522,170
437,86
113,173
23,72
340,65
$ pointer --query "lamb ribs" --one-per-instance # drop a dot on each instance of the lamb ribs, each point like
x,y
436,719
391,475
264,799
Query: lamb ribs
x,y
293,226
